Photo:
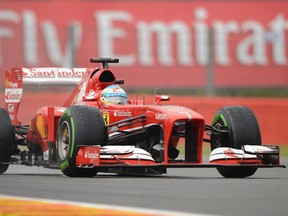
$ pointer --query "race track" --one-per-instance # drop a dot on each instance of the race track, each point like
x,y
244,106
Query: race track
x,y
187,190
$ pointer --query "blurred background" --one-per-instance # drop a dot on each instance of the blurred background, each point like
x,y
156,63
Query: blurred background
x,y
205,54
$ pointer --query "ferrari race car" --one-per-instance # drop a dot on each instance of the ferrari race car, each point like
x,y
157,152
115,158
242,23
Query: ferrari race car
x,y
99,129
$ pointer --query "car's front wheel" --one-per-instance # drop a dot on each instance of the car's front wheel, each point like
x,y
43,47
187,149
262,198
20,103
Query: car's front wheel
x,y
79,126
243,130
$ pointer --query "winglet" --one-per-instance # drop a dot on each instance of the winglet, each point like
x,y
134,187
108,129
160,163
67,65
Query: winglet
x,y
13,93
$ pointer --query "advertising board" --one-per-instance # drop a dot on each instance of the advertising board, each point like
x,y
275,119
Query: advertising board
x,y
160,43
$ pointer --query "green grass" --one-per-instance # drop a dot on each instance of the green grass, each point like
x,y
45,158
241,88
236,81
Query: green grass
x,y
283,151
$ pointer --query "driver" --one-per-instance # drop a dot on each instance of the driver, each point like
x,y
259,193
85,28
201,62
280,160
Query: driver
x,y
114,94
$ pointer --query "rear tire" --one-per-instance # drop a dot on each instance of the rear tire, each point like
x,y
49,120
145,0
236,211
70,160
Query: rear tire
x,y
78,126
6,140
243,130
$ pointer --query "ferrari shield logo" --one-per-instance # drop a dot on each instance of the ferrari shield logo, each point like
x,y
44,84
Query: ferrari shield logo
x,y
106,118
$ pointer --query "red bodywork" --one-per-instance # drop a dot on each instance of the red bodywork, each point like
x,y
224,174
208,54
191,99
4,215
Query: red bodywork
x,y
43,126
170,124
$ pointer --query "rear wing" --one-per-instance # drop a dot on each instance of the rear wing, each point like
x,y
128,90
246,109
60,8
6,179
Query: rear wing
x,y
17,78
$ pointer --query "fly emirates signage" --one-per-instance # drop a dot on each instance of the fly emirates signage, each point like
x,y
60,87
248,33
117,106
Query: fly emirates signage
x,y
249,41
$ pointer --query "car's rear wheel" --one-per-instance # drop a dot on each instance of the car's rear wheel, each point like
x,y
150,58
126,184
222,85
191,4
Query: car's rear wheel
x,y
6,140
243,130
78,126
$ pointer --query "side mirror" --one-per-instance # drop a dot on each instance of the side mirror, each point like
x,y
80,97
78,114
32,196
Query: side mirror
x,y
159,98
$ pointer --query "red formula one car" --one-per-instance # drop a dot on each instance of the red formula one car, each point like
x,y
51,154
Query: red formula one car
x,y
98,129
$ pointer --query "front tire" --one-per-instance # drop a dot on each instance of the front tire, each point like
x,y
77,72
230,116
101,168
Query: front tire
x,y
78,126
6,140
243,130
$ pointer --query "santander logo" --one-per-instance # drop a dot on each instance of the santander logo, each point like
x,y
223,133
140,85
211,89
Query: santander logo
x,y
230,153
126,113
54,72
13,95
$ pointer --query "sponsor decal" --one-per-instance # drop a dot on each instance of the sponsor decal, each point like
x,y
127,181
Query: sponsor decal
x,y
13,95
126,113
54,72
161,116
11,108
41,126
106,118
89,154
230,153
46,155
10,84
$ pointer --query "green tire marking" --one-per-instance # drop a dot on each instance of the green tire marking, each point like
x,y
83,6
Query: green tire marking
x,y
216,117
219,115
73,137
223,119
64,165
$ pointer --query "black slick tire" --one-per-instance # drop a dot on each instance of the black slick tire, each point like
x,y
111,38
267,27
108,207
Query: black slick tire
x,y
6,140
78,126
243,130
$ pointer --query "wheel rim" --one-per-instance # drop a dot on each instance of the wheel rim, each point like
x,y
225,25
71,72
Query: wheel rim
x,y
64,140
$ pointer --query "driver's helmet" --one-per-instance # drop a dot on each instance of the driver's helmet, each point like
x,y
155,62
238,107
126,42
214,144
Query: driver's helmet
x,y
114,94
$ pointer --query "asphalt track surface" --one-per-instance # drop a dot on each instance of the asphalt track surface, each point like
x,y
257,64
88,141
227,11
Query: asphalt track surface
x,y
192,190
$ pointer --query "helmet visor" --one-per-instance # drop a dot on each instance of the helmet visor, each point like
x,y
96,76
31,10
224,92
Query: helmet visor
x,y
115,99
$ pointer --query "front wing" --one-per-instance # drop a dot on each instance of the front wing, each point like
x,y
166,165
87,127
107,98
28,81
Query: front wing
x,y
132,157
